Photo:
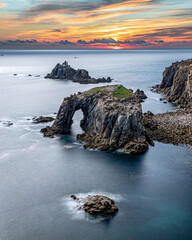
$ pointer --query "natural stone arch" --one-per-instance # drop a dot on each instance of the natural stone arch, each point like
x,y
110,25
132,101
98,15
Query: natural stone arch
x,y
112,119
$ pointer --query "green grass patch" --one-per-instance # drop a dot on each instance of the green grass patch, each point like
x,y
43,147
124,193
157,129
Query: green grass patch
x,y
97,90
122,92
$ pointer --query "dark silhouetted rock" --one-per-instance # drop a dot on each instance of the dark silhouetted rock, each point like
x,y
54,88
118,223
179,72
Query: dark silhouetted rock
x,y
65,71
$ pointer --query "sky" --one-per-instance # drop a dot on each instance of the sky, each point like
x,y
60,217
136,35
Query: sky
x,y
111,24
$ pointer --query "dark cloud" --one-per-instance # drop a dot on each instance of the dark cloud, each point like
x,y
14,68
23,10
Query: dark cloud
x,y
65,42
113,41
33,42
93,43
168,32
73,7
160,41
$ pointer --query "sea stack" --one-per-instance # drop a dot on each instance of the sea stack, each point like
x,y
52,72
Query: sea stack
x,y
65,71
112,119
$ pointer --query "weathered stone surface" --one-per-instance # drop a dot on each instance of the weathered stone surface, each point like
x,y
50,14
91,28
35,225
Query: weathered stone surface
x,y
97,205
65,71
171,127
177,83
140,94
112,119
42,119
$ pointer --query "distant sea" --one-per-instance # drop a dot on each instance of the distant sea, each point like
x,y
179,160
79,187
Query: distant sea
x,y
38,175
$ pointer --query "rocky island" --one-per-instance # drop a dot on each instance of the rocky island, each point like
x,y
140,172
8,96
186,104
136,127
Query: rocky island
x,y
65,71
97,205
112,119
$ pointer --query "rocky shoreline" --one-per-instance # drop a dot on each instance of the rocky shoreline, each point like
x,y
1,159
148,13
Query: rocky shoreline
x,y
171,127
65,71
112,119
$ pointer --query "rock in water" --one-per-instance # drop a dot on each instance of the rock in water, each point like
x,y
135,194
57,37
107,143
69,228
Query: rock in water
x,y
112,119
177,83
42,119
65,71
97,205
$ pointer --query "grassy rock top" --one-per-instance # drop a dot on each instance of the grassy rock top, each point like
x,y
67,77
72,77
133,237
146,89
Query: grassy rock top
x,y
117,91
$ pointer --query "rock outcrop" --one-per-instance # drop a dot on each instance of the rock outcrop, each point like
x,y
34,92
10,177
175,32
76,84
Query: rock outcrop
x,y
171,127
97,205
65,71
112,119
42,119
177,83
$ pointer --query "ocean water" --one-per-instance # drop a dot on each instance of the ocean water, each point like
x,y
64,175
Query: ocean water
x,y
38,175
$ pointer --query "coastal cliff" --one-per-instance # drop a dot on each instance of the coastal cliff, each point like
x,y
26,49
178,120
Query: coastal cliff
x,y
65,71
112,119
177,83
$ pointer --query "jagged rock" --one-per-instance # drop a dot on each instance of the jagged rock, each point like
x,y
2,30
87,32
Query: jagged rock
x,y
140,94
65,71
112,119
7,123
42,119
177,83
97,205
170,127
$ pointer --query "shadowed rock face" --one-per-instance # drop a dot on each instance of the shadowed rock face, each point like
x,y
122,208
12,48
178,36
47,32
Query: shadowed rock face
x,y
65,71
177,83
112,119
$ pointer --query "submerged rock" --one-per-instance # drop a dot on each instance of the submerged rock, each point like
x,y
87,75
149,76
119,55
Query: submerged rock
x,y
112,119
97,205
7,123
42,119
177,83
65,71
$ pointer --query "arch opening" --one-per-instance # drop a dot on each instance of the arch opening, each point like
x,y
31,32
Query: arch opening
x,y
76,120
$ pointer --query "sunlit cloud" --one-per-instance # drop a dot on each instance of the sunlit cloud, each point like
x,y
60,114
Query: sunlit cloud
x,y
155,22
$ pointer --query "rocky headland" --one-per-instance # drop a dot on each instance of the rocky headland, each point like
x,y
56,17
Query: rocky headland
x,y
65,71
112,119
176,85
97,205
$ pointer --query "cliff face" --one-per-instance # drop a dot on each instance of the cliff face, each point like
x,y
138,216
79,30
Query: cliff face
x,y
65,71
112,119
177,83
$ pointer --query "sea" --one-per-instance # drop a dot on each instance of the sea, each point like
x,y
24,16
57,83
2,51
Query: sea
x,y
37,175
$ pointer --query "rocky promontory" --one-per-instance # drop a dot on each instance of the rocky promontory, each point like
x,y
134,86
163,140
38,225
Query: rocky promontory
x,y
177,83
112,119
65,71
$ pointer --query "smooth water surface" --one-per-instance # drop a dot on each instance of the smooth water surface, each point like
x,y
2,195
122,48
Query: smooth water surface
x,y
38,175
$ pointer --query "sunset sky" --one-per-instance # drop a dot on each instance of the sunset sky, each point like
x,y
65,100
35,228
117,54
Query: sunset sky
x,y
96,24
